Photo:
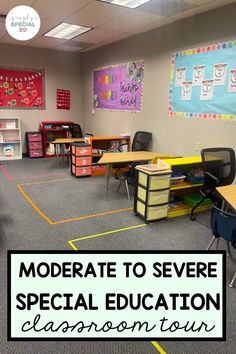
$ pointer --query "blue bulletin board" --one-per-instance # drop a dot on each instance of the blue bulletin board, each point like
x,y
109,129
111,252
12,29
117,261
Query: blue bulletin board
x,y
203,82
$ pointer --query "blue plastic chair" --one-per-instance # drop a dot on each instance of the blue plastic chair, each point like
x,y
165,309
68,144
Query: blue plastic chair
x,y
223,225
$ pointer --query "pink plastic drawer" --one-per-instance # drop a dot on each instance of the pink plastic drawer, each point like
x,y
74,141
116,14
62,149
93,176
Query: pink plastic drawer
x,y
81,161
34,137
81,150
36,153
36,145
81,171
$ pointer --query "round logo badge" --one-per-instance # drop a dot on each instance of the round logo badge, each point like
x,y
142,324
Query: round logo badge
x,y
22,23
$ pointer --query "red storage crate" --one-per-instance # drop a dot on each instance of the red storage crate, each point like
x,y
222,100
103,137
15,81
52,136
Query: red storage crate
x,y
81,171
35,146
34,137
81,161
35,153
81,149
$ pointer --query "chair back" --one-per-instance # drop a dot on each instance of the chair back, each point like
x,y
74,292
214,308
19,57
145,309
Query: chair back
x,y
223,224
141,141
219,163
76,131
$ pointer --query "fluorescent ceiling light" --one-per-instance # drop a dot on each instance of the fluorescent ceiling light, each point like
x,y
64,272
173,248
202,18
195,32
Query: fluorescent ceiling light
x,y
66,31
132,4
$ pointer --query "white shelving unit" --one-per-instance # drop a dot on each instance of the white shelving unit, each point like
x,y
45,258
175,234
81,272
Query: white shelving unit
x,y
10,139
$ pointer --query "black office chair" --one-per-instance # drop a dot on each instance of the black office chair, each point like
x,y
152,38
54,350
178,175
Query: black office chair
x,y
219,170
223,225
76,131
141,142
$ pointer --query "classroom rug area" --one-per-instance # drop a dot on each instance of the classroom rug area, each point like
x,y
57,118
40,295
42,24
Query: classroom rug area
x,y
45,208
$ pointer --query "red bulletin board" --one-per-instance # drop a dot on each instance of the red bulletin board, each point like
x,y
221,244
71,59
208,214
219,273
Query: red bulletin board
x,y
63,99
21,89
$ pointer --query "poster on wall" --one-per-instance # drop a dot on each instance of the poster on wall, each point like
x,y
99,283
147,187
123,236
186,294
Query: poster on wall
x,y
203,82
63,99
119,87
21,89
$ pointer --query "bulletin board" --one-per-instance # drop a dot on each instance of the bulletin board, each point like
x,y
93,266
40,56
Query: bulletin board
x,y
203,82
21,89
119,87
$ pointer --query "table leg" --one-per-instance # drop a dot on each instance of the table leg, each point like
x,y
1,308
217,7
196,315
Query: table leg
x,y
108,170
57,152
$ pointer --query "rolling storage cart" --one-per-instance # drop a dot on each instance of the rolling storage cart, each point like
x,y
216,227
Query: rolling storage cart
x,y
34,144
151,199
81,159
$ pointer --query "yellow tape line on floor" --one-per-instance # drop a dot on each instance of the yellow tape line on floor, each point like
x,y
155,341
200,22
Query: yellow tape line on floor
x,y
159,348
71,243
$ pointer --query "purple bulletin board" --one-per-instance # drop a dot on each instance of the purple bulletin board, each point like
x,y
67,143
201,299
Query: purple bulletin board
x,y
119,88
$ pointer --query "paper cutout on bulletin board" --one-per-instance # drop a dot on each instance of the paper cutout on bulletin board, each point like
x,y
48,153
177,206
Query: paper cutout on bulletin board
x,y
119,87
198,75
212,72
219,74
186,90
21,89
232,81
63,99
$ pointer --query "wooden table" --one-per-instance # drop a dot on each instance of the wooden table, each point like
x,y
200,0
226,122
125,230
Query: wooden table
x,y
228,193
63,141
109,159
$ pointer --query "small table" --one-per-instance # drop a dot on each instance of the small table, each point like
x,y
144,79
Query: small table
x,y
228,193
111,158
63,141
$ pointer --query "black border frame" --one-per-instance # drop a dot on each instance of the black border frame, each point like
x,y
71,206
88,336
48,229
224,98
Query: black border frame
x,y
10,338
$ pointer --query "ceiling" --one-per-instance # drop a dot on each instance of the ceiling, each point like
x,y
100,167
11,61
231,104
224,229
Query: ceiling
x,y
110,23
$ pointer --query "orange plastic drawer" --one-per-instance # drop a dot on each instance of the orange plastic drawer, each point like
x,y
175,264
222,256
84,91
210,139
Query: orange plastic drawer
x,y
81,150
81,171
81,161
34,136
36,145
36,153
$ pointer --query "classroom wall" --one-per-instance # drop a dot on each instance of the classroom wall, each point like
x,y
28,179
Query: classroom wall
x,y
62,70
171,135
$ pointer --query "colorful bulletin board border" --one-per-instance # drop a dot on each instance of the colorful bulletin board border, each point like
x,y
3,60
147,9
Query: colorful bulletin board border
x,y
203,82
22,89
119,87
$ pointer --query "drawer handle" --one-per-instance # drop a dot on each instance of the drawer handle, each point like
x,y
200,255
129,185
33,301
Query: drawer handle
x,y
160,210
160,196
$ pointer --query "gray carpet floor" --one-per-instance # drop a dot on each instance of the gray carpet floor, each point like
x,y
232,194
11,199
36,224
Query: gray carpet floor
x,y
63,198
